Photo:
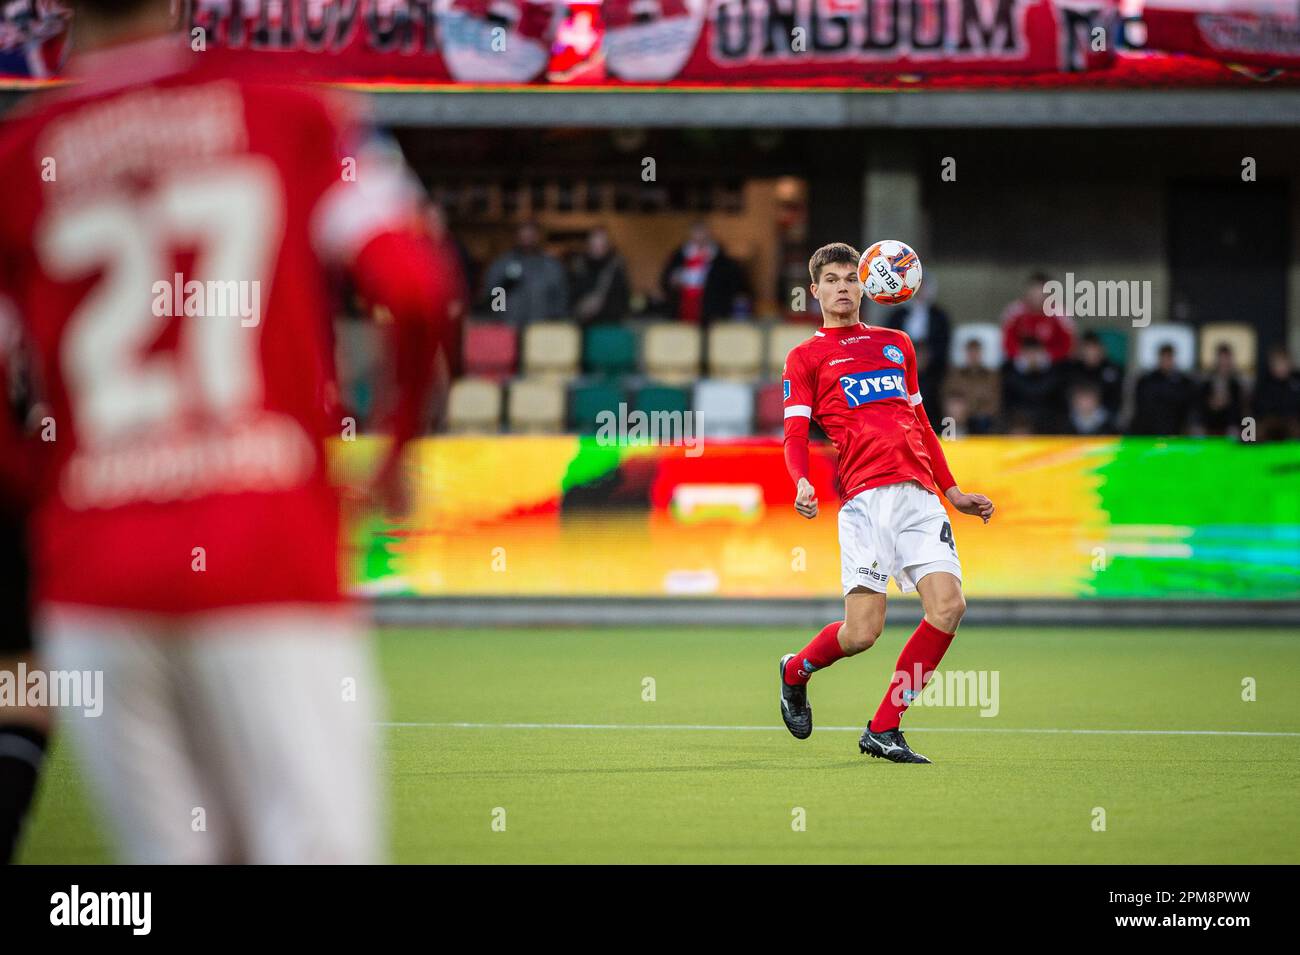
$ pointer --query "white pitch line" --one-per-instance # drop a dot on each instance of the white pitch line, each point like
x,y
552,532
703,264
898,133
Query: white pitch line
x,y
832,729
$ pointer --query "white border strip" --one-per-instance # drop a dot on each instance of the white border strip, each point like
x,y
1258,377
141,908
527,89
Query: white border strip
x,y
704,727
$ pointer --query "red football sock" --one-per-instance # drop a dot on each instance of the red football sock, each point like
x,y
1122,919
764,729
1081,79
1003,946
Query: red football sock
x,y
824,650
916,664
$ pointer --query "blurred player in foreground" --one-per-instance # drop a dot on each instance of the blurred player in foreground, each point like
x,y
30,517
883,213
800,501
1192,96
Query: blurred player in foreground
x,y
24,722
859,383
169,227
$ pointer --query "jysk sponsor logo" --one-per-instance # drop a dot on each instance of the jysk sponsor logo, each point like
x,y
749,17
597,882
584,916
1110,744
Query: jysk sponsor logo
x,y
786,385
894,354
868,386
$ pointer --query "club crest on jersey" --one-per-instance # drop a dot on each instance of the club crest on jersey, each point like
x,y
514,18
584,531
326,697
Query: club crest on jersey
x,y
868,386
786,387
894,354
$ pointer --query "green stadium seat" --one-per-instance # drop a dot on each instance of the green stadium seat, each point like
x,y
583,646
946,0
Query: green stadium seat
x,y
609,350
662,398
587,401
1116,344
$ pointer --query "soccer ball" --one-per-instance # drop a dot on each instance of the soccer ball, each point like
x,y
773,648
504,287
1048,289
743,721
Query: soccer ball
x,y
890,272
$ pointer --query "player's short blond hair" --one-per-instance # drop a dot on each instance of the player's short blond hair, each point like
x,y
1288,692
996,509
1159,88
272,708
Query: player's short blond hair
x,y
835,253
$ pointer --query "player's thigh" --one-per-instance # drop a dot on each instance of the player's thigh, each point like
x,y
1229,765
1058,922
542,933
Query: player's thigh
x,y
925,541
864,619
866,550
292,699
131,739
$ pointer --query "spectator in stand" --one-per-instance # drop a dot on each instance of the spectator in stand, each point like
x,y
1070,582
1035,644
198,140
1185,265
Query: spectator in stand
x,y
701,282
1092,366
439,228
598,285
1033,389
956,422
977,387
1222,396
930,329
1027,318
1277,398
1164,399
532,279
1088,414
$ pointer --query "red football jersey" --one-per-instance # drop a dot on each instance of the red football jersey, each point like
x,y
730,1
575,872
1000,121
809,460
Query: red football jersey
x,y
168,229
859,384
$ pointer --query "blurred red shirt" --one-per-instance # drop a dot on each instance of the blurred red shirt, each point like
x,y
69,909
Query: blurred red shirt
x,y
1020,322
169,228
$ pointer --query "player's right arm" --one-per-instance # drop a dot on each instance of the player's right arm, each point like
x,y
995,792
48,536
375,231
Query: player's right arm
x,y
798,387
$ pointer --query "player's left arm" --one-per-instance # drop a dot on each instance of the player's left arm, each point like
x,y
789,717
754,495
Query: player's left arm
x,y
369,225
974,504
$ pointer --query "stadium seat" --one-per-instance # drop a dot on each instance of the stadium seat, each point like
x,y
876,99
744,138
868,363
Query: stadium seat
x,y
662,398
536,406
779,342
1116,344
671,352
1151,338
490,350
770,413
551,350
735,351
989,335
609,350
474,406
586,401
724,409
1240,337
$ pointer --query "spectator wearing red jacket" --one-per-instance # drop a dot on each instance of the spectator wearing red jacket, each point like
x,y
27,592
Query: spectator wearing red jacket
x,y
1027,317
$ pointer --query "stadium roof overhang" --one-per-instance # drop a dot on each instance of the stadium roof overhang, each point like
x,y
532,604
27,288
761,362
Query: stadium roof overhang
x,y
543,107
837,109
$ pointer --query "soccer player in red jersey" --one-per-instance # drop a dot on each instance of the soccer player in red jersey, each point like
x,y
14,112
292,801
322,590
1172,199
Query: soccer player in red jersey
x,y
859,383
170,227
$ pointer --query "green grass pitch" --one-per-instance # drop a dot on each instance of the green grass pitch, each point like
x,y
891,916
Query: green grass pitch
x,y
640,794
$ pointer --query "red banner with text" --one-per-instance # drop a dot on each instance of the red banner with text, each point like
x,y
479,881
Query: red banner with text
x,y
723,43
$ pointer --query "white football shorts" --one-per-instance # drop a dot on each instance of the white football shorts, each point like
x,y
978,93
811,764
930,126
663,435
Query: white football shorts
x,y
900,531
239,735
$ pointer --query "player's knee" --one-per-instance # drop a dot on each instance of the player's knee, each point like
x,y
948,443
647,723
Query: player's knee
x,y
947,612
855,638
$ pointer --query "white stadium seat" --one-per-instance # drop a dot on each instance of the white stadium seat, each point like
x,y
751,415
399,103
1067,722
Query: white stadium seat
x,y
1151,338
724,409
988,334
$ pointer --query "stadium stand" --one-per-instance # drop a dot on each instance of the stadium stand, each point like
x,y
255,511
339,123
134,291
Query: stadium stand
x,y
671,352
769,409
735,351
724,409
1181,337
1241,338
609,350
779,342
662,397
588,400
536,406
490,350
474,407
989,335
552,350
